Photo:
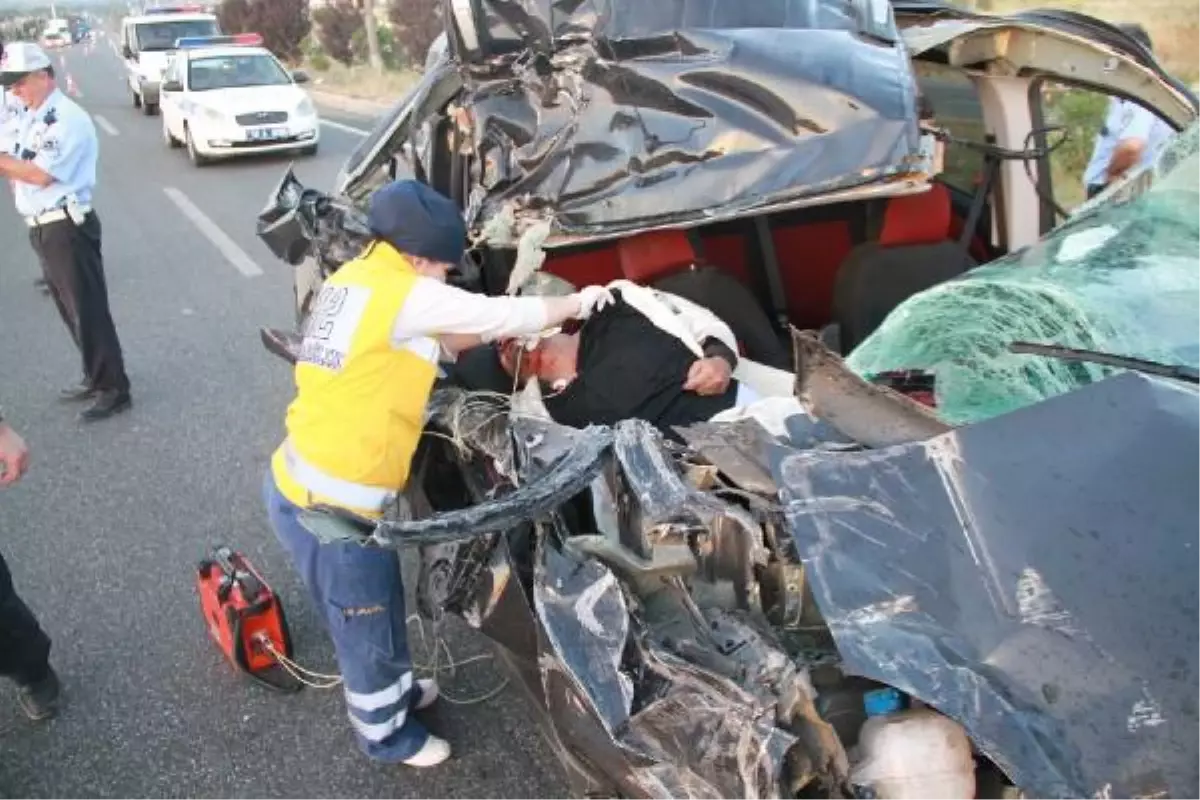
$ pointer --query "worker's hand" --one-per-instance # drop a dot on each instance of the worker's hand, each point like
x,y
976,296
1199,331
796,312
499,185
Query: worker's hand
x,y
592,299
14,455
708,376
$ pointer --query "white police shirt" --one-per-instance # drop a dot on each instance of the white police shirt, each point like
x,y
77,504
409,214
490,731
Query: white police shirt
x,y
12,115
1125,120
60,138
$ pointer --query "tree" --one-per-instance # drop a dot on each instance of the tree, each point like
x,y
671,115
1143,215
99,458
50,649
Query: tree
x,y
282,23
232,15
370,26
415,24
336,25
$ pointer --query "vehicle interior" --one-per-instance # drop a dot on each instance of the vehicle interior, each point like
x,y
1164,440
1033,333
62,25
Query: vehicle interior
x,y
842,267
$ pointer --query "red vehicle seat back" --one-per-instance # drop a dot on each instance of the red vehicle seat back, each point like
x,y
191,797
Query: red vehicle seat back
x,y
646,257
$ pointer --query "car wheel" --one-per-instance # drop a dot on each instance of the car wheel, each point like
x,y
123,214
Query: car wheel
x,y
197,158
168,139
149,109
137,100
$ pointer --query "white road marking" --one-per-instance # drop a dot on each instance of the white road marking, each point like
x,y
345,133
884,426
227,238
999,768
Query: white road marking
x,y
343,127
106,126
233,254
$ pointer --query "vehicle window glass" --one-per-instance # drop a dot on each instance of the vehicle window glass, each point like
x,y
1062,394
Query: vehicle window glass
x,y
956,108
163,35
230,72
1093,123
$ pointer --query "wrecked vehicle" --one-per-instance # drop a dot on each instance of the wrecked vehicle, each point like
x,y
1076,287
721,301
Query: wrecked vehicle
x,y
737,615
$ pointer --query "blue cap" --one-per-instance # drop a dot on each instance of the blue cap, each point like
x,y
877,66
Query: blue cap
x,y
418,221
883,701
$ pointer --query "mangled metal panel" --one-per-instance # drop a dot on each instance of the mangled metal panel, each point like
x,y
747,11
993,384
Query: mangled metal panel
x,y
1123,280
1032,576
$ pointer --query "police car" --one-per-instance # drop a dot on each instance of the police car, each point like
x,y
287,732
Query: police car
x,y
226,96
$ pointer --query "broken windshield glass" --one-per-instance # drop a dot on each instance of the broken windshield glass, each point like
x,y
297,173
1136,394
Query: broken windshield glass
x,y
1120,278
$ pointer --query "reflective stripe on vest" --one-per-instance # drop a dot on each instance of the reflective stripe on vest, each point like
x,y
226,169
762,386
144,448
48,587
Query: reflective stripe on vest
x,y
342,492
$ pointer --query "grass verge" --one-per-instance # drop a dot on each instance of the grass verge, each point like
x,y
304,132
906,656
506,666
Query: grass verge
x,y
361,82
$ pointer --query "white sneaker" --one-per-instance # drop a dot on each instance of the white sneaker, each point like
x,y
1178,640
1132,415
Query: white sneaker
x,y
433,753
429,693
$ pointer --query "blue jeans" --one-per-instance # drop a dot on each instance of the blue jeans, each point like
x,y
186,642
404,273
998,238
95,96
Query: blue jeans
x,y
358,592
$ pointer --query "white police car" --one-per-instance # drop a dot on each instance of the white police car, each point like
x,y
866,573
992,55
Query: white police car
x,y
226,96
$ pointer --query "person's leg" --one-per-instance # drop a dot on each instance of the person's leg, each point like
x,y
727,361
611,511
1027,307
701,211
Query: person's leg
x,y
102,355
25,651
359,593
58,273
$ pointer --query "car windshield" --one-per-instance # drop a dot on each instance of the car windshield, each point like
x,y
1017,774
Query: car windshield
x,y
231,72
163,35
1120,278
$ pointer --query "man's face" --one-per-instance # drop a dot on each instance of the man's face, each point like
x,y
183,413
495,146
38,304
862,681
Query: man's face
x,y
33,88
554,360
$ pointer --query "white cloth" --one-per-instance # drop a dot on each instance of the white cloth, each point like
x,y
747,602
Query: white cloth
x,y
687,321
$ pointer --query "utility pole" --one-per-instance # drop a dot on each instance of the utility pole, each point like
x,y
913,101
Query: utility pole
x,y
370,28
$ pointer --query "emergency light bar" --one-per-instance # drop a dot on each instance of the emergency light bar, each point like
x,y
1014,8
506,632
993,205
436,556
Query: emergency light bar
x,y
175,10
241,39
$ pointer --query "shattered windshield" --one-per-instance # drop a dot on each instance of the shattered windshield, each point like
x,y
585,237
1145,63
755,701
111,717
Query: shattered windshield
x,y
1121,278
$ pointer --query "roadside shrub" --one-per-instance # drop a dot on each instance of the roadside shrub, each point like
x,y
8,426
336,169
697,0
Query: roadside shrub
x,y
415,24
388,51
232,15
284,24
320,62
336,25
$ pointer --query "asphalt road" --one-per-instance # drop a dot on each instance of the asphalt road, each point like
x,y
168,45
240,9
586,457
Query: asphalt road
x,y
104,533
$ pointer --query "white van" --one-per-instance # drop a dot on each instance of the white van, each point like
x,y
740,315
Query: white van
x,y
147,42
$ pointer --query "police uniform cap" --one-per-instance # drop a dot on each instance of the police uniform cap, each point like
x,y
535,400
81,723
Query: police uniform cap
x,y
20,59
419,221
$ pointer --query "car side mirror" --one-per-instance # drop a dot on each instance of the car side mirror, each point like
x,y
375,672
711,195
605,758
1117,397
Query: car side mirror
x,y
126,51
172,86
300,76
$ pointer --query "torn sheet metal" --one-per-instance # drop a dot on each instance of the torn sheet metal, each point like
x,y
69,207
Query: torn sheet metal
x,y
1032,576
623,115
682,732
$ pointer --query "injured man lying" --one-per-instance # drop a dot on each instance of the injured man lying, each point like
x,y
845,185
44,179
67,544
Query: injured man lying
x,y
648,355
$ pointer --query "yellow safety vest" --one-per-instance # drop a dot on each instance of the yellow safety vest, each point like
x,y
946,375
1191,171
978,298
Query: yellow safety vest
x,y
360,395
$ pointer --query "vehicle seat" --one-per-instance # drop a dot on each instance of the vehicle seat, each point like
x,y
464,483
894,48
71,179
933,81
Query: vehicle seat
x,y
666,260
914,251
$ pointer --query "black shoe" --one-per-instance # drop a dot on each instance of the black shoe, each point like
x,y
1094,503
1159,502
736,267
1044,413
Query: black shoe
x,y
39,700
80,391
108,403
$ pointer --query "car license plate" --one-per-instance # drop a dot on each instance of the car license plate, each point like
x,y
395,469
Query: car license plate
x,y
266,134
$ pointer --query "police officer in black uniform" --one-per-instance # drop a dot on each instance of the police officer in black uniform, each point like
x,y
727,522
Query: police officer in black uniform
x,y
24,646
54,170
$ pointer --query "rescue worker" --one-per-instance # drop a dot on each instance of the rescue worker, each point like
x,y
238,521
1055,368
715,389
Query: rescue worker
x,y
1132,135
24,646
364,373
53,167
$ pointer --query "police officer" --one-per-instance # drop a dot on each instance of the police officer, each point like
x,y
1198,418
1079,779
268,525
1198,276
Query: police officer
x,y
365,370
24,646
53,168
12,113
1132,136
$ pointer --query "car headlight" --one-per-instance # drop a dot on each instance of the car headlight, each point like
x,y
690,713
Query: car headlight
x,y
306,108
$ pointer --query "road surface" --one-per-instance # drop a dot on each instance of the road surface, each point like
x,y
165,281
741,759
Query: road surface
x,y
104,534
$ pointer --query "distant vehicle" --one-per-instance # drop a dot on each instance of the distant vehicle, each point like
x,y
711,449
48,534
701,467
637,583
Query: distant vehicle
x,y
147,41
227,96
56,34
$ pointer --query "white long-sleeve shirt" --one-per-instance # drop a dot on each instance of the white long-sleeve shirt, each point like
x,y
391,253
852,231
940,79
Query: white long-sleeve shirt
x,y
435,309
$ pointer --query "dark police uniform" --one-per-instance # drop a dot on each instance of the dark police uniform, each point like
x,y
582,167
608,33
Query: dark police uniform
x,y
59,137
